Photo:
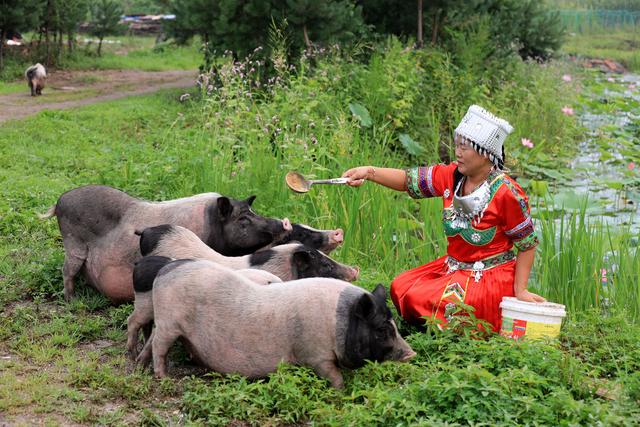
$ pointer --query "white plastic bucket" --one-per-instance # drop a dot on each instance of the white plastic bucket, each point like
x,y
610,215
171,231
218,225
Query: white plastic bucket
x,y
530,320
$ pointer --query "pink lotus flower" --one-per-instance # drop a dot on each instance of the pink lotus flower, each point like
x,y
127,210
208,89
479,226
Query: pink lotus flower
x,y
566,77
567,110
631,166
526,142
611,79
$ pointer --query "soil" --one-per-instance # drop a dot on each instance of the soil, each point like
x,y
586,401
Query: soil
x,y
68,89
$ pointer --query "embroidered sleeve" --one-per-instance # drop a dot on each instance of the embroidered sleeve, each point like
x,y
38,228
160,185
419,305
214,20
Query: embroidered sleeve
x,y
426,181
518,223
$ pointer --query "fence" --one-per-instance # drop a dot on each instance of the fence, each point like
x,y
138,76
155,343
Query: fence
x,y
580,21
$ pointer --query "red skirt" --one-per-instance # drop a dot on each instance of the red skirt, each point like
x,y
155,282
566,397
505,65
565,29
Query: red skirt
x,y
425,291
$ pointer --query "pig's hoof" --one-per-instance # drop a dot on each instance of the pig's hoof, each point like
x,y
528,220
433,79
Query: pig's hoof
x,y
132,353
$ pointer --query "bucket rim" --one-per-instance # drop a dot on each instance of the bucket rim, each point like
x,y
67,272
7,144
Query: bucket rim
x,y
542,308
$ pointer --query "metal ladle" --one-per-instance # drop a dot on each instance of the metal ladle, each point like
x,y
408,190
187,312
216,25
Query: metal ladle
x,y
299,184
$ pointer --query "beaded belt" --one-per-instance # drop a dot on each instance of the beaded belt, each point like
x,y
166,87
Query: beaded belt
x,y
479,266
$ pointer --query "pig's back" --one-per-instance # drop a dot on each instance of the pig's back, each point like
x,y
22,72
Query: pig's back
x,y
92,209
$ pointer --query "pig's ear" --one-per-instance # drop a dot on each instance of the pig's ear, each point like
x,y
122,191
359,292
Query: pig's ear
x,y
250,200
380,292
301,261
365,306
224,207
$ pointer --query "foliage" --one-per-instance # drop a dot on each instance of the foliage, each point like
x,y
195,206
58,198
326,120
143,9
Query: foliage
x,y
72,13
454,380
242,26
17,15
526,27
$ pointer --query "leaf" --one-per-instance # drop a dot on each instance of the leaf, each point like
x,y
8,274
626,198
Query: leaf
x,y
569,200
410,145
539,188
361,113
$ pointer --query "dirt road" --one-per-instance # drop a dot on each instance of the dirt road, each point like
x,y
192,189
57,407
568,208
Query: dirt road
x,y
68,89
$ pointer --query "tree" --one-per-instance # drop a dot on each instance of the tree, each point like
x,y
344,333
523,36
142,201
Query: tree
x,y
105,20
321,20
17,15
72,13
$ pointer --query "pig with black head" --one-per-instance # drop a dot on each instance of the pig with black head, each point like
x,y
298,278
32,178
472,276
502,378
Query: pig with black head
x,y
233,325
97,224
288,262
323,240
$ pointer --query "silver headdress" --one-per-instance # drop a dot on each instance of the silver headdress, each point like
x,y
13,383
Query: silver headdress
x,y
486,133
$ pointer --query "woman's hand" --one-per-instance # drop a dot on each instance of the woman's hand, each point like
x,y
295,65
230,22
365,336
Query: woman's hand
x,y
525,295
357,176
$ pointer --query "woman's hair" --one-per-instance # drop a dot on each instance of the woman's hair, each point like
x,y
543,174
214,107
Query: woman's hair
x,y
457,175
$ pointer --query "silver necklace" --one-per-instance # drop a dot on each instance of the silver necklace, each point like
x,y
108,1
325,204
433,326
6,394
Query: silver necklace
x,y
470,208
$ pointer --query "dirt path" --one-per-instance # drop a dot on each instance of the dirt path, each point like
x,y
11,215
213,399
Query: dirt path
x,y
68,89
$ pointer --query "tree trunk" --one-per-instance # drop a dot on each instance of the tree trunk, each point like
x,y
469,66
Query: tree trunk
x,y
100,46
46,34
70,41
1,49
60,45
434,32
420,41
306,37
47,42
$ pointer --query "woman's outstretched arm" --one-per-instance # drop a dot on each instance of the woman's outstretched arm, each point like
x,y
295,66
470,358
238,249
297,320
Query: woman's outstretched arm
x,y
396,179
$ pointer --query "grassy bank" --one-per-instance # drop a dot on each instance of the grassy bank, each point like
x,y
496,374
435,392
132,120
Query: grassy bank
x,y
64,363
618,45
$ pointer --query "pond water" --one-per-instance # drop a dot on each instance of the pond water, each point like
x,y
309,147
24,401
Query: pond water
x,y
606,170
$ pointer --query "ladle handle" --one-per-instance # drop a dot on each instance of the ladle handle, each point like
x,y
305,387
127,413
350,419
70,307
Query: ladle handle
x,y
329,181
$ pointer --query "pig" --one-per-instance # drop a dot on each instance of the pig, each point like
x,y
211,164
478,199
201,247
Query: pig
x,y
288,262
97,225
36,76
323,240
144,272
233,325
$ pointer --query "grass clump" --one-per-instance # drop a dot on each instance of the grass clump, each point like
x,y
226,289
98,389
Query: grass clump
x,y
452,381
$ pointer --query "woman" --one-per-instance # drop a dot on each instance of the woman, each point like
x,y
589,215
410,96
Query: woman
x,y
485,215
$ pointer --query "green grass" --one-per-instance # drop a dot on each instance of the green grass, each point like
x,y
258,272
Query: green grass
x,y
13,87
67,362
621,46
127,53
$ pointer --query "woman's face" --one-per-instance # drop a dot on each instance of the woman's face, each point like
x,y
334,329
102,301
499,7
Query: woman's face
x,y
470,163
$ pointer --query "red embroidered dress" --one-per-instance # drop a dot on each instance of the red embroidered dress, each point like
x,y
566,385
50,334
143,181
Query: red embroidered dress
x,y
479,268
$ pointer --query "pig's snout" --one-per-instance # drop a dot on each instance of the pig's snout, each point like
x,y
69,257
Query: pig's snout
x,y
336,237
408,355
286,224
